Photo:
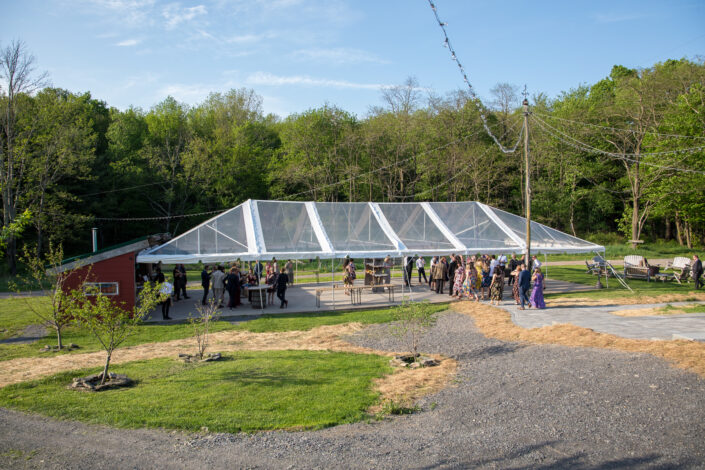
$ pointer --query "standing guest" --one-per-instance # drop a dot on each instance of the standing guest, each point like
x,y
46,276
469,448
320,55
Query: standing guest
x,y
440,272
251,279
184,280
515,285
271,281
432,282
290,271
470,284
512,265
282,282
502,260
535,263
459,277
536,300
159,276
478,277
497,286
232,284
524,281
275,266
206,283
486,280
420,265
218,282
452,266
177,282
408,269
697,271
165,293
258,270
493,265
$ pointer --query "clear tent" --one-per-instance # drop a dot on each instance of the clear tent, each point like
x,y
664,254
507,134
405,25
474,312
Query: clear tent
x,y
259,229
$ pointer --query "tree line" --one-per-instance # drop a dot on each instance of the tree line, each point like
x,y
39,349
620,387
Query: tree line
x,y
622,155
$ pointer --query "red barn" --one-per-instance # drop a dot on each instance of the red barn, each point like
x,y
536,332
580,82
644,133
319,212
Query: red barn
x,y
113,270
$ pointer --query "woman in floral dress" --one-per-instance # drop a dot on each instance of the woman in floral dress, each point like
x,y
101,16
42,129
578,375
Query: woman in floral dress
x,y
469,286
496,286
515,285
459,277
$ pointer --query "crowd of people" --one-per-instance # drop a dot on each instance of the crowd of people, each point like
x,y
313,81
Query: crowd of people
x,y
217,280
481,277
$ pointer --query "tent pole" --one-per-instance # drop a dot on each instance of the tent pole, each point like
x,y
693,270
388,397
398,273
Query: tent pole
x,y
332,275
261,304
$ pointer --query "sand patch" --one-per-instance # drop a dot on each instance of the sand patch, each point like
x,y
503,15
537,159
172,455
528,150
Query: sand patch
x,y
655,311
497,323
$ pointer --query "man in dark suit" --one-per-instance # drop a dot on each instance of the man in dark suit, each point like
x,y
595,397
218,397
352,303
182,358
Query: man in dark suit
x,y
697,270
452,266
524,285
206,283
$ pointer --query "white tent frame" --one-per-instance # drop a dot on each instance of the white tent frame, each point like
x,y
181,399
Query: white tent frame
x,y
256,248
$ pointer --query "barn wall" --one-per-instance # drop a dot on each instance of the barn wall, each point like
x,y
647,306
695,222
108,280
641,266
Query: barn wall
x,y
120,269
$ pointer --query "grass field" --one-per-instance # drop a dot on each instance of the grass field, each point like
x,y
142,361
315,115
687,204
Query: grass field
x,y
578,275
14,315
247,391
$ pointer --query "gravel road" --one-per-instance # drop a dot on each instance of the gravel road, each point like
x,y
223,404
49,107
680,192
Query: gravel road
x,y
512,406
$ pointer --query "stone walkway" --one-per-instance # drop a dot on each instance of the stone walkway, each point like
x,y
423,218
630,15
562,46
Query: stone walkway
x,y
599,318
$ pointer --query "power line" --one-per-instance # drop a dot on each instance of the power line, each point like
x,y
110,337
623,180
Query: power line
x,y
455,59
121,189
463,170
575,143
587,124
417,155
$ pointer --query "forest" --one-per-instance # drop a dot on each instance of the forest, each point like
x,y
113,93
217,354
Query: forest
x,y
617,160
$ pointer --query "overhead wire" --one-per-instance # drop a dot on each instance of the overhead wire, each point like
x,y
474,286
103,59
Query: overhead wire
x,y
617,129
463,170
579,145
376,170
471,90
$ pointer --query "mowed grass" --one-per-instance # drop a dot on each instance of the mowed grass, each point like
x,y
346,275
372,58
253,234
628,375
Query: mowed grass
x,y
578,274
153,333
247,391
16,314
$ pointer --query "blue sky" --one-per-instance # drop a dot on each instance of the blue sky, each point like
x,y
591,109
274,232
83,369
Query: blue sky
x,y
301,54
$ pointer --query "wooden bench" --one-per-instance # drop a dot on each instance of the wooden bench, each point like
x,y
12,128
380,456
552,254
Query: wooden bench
x,y
636,267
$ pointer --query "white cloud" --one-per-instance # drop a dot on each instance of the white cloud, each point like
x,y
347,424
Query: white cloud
x,y
129,42
129,12
266,78
175,14
338,56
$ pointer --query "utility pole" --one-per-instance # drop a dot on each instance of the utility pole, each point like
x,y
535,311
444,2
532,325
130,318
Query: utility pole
x,y
525,103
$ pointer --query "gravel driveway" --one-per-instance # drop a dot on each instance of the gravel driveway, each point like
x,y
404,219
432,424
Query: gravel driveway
x,y
512,406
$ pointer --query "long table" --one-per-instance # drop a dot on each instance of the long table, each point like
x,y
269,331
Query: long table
x,y
355,292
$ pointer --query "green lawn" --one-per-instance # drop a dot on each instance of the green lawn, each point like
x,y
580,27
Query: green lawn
x,y
18,317
16,314
651,250
578,275
248,391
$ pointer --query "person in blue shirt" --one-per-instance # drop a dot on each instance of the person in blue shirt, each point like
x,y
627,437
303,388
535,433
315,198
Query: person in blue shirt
x,y
524,286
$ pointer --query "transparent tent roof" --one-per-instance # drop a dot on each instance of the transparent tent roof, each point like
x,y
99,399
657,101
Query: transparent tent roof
x,y
301,230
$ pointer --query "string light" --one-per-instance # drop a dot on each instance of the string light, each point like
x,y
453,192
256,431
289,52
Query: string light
x,y
454,57
166,217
